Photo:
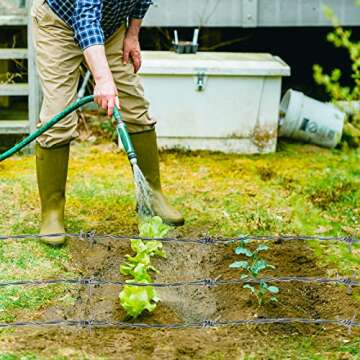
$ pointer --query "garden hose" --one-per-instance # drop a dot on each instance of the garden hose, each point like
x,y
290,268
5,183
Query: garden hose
x,y
121,128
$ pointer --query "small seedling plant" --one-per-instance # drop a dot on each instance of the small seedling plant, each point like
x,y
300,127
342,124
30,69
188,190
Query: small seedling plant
x,y
136,299
252,268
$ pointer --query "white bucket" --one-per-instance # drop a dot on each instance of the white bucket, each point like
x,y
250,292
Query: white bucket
x,y
309,120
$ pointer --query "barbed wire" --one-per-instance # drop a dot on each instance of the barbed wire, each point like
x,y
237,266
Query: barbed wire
x,y
201,282
205,324
93,237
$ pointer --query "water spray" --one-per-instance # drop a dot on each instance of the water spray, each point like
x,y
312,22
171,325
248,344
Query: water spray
x,y
143,189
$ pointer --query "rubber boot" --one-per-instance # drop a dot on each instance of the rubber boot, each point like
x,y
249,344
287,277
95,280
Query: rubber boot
x,y
148,159
52,168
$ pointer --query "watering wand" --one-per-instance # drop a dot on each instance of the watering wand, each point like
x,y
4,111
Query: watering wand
x,y
121,128
125,137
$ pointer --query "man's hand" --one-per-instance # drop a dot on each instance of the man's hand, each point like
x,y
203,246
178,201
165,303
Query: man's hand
x,y
105,91
132,45
106,95
132,51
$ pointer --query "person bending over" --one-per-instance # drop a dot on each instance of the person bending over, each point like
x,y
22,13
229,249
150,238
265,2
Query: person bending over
x,y
106,34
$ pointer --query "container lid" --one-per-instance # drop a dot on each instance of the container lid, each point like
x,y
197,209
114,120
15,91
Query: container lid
x,y
214,63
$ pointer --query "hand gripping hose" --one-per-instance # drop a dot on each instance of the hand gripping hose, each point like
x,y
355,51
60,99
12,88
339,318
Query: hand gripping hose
x,y
121,129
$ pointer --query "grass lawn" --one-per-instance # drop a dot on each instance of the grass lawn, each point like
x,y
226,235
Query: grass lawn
x,y
301,189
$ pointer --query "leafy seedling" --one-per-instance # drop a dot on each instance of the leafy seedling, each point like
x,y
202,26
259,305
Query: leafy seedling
x,y
253,267
136,299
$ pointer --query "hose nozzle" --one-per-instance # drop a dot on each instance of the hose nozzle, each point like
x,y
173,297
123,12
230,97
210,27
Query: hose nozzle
x,y
125,137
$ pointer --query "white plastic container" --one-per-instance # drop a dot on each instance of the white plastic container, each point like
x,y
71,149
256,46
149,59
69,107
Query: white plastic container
x,y
309,120
215,101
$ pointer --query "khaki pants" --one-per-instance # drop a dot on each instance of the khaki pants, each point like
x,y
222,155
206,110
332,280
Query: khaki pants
x,y
58,62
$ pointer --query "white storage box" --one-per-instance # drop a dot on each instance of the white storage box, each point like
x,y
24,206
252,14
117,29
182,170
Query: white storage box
x,y
215,101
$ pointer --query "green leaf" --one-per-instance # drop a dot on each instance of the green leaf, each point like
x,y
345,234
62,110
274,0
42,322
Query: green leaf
x,y
258,267
138,246
243,251
262,247
138,271
142,257
154,248
240,265
273,289
274,299
153,228
247,286
336,75
126,269
244,241
135,300
141,274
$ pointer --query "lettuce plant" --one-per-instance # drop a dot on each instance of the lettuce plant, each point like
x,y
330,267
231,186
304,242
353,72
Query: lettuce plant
x,y
136,299
253,267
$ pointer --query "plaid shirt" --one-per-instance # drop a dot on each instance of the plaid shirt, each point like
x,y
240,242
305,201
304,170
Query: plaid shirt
x,y
94,21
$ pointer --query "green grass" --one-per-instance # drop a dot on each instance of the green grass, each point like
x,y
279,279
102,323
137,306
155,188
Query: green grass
x,y
29,356
9,356
307,349
300,190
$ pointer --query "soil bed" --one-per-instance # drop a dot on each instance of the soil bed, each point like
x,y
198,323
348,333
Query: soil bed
x,y
188,262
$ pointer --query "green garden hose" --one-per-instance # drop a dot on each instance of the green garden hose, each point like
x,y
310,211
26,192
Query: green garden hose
x,y
121,128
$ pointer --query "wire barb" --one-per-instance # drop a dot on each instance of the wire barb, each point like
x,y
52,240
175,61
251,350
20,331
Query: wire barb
x,y
208,324
89,237
349,324
210,282
207,240
350,241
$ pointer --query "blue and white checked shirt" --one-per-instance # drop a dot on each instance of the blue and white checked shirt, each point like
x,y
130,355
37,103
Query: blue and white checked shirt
x,y
94,21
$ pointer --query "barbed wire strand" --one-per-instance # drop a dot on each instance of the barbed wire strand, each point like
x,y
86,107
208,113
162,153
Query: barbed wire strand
x,y
206,324
209,282
92,237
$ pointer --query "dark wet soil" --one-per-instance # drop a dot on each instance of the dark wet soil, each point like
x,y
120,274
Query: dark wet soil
x,y
189,262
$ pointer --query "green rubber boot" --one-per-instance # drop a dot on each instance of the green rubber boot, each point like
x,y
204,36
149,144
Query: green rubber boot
x,y
148,159
51,169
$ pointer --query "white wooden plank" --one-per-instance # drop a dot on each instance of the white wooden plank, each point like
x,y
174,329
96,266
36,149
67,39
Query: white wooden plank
x,y
14,126
7,54
230,13
12,20
35,96
14,89
242,13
